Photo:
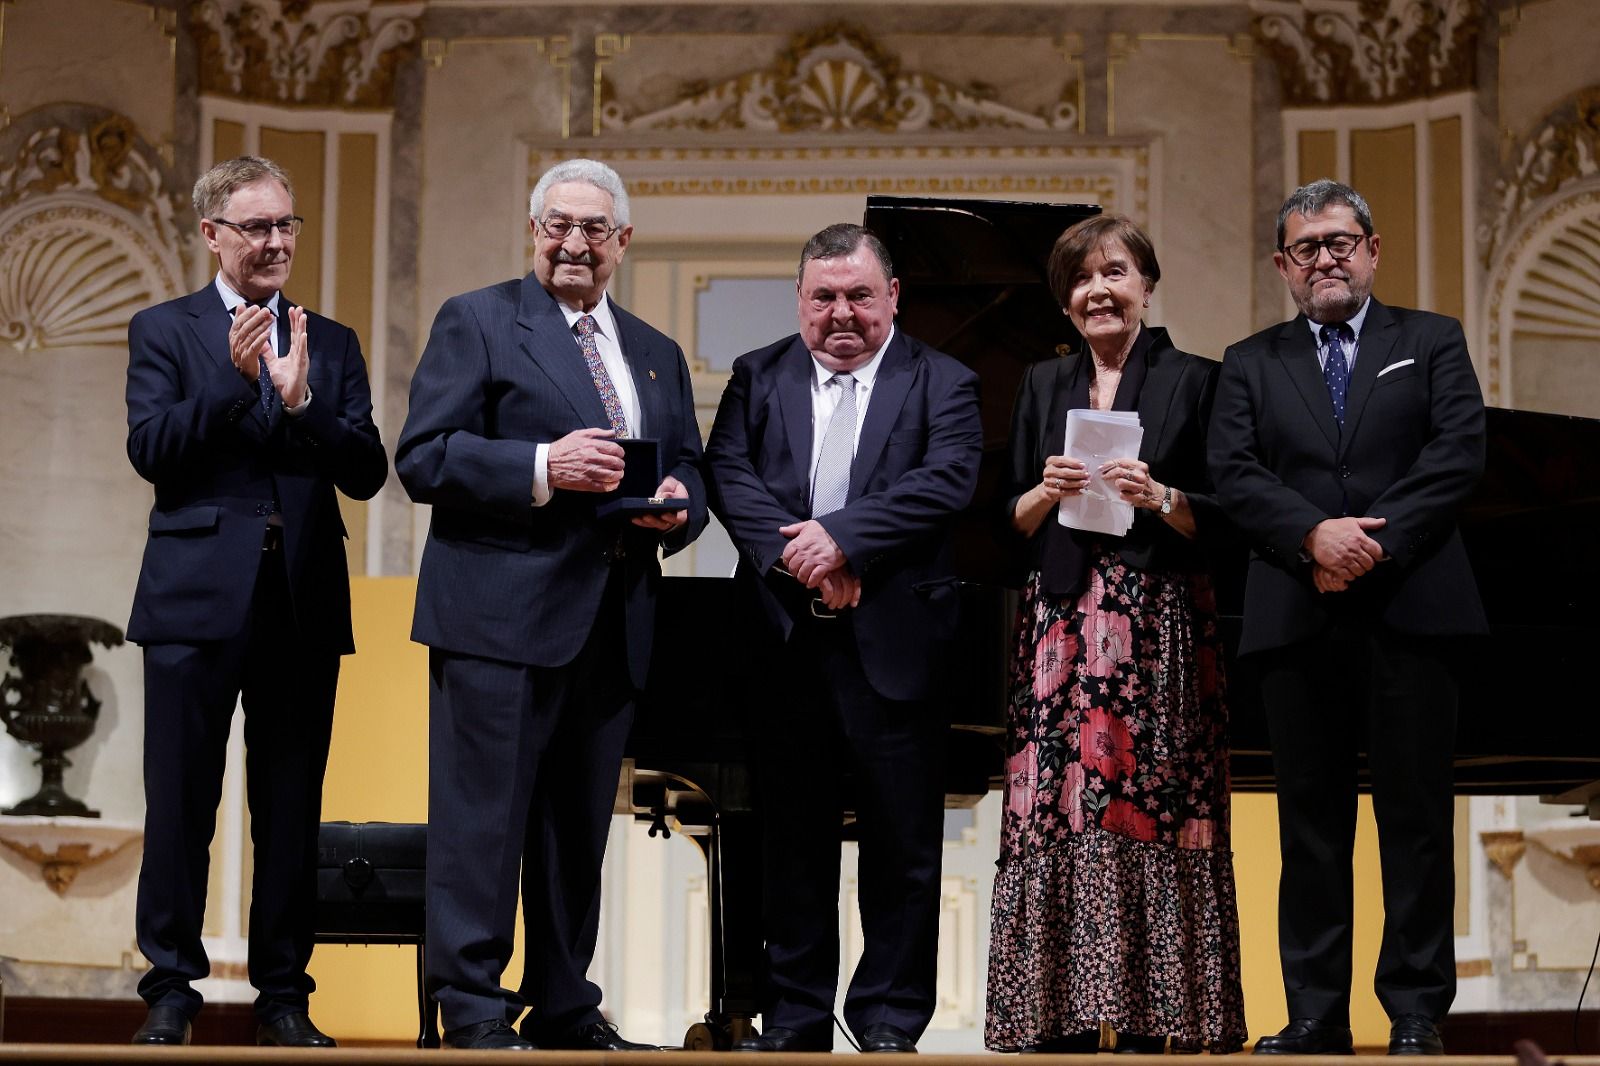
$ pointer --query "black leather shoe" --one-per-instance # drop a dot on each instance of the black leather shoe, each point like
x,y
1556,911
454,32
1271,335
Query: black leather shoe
x,y
886,1037
1084,1043
1307,1036
163,1025
492,1035
1134,1044
596,1036
778,1038
292,1030
1415,1034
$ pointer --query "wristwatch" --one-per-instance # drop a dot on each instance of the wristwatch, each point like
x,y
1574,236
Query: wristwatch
x,y
1166,501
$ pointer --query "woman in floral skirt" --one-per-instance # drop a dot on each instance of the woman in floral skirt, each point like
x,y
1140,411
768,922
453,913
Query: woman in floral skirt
x,y
1114,901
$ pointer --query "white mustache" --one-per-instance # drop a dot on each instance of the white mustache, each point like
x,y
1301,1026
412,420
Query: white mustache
x,y
586,259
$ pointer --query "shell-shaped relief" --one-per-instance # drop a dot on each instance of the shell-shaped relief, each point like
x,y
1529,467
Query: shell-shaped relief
x,y
73,274
1561,294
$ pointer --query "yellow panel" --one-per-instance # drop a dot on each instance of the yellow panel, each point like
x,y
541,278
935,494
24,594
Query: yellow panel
x,y
1319,155
1383,166
227,140
301,154
353,285
1445,195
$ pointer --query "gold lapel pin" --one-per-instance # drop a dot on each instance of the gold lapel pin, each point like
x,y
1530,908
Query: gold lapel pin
x,y
652,375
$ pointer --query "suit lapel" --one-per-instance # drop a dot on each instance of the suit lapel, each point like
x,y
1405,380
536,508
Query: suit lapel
x,y
889,391
1162,373
210,321
1297,351
1372,354
553,348
646,365
794,405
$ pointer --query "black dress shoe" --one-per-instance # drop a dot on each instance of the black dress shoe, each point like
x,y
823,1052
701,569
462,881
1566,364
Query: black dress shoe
x,y
163,1025
1084,1043
777,1038
1134,1044
1415,1034
596,1036
292,1030
492,1035
886,1037
1307,1036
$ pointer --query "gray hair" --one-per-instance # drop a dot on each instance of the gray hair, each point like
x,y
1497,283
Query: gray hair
x,y
842,239
590,172
217,185
1317,197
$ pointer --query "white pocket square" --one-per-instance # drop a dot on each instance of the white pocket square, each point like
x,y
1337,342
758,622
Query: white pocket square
x,y
1395,366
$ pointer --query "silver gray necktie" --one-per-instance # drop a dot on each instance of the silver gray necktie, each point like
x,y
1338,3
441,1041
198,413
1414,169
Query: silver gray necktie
x,y
831,485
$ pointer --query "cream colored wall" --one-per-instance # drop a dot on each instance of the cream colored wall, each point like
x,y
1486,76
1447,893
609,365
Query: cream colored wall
x,y
1547,52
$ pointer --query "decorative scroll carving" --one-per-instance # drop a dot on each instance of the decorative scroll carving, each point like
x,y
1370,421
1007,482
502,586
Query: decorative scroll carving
x,y
1504,848
1565,148
342,53
1370,51
837,80
89,228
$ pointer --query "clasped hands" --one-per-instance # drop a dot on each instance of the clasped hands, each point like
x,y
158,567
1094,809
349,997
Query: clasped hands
x,y
250,342
590,460
813,558
1341,551
1065,476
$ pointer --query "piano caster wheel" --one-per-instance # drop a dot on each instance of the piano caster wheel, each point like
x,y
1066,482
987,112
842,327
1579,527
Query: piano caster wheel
x,y
705,1037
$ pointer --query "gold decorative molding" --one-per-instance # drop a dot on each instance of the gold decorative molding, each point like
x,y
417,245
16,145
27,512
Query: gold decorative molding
x,y
1504,847
294,52
62,847
835,79
1370,51
607,47
1564,148
1474,968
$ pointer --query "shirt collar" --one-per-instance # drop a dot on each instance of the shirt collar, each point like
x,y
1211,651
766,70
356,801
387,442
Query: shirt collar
x,y
605,323
1354,322
864,374
232,300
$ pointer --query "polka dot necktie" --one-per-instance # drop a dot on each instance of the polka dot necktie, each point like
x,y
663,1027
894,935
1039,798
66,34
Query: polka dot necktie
x,y
1336,371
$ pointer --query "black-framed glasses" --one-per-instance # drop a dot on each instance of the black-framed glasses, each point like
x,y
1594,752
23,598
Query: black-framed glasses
x,y
258,230
1339,245
594,230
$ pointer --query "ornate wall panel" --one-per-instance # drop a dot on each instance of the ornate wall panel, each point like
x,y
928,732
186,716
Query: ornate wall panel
x,y
90,228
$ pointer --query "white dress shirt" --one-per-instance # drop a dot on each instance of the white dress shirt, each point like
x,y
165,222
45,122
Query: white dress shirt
x,y
824,398
610,346
1355,321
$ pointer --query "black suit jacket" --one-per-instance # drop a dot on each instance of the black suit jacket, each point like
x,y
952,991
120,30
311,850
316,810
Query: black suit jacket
x,y
501,578
1410,451
915,469
197,432
1174,406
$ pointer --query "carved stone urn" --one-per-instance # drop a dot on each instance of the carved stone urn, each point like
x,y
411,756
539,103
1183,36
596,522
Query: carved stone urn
x,y
46,703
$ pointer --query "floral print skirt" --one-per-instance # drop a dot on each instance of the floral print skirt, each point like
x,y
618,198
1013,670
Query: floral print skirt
x,y
1114,901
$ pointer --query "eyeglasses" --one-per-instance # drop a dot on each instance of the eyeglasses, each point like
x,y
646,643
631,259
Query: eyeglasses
x,y
595,230
1340,245
258,230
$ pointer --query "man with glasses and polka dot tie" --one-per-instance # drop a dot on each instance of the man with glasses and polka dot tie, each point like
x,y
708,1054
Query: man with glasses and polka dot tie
x,y
537,606
1344,444
246,412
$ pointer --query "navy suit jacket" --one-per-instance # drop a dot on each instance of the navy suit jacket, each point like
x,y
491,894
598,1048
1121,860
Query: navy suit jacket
x,y
197,432
1411,451
915,469
503,579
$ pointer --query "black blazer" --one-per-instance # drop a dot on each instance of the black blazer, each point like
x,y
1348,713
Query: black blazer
x,y
1410,451
915,469
502,579
1174,405
196,431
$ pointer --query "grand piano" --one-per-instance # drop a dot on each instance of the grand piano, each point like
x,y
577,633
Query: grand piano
x,y
973,283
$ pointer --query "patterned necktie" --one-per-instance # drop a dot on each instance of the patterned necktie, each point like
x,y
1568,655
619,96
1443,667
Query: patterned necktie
x,y
831,485
1336,371
586,327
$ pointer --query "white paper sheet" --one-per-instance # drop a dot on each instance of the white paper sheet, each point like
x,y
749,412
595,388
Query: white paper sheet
x,y
1094,437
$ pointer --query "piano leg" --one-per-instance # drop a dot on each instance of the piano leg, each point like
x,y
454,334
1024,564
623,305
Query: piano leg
x,y
733,867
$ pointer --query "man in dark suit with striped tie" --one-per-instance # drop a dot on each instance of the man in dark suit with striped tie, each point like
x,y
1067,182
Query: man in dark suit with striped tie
x,y
1344,443
245,412
537,607
840,458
